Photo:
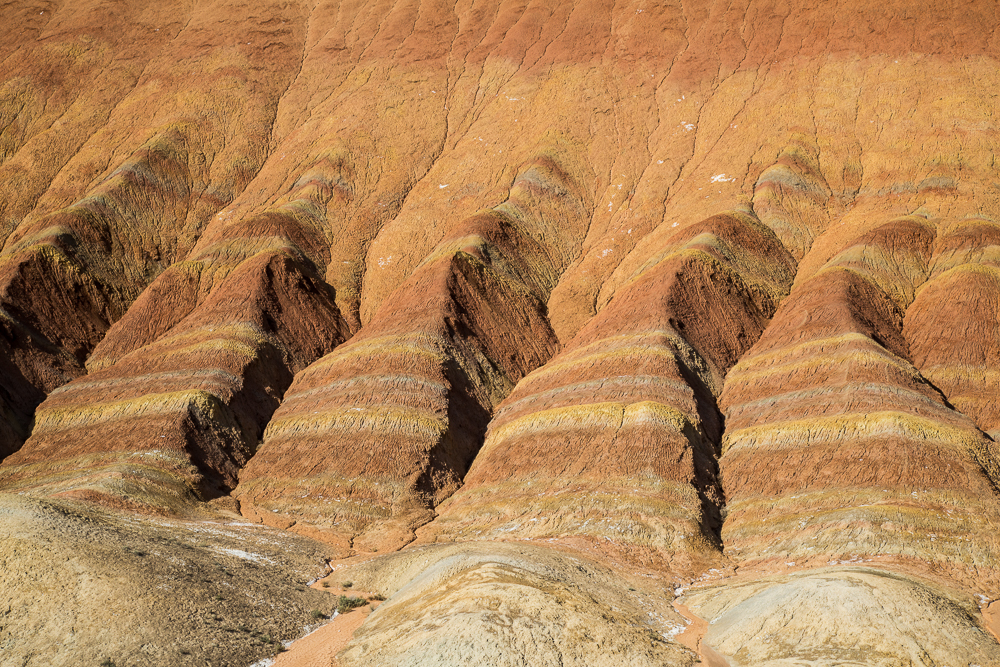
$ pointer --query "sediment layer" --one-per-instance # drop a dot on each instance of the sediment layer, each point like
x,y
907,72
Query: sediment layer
x,y
836,447
953,326
176,419
616,438
373,436
705,292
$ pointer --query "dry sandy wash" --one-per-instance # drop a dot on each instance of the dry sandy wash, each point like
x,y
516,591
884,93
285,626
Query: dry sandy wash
x,y
585,332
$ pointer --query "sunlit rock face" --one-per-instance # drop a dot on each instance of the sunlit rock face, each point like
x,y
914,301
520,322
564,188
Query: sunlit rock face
x,y
701,293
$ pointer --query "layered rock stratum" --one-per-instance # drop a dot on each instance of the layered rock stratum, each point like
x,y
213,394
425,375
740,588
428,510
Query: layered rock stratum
x,y
584,332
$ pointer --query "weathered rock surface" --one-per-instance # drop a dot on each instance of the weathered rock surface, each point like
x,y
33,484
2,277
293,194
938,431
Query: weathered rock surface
x,y
844,616
107,180
703,291
194,402
95,586
374,435
507,604
953,326
835,446
616,439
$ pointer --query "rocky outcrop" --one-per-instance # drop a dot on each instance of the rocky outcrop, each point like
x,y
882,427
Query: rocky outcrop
x,y
492,604
836,448
703,292
616,438
194,370
108,181
178,418
837,616
953,326
373,436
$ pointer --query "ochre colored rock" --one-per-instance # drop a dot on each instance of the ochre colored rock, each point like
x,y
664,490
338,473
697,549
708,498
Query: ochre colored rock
x,y
180,416
953,326
701,294
616,438
107,179
370,438
836,448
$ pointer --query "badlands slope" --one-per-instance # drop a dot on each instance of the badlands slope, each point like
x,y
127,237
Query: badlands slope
x,y
585,332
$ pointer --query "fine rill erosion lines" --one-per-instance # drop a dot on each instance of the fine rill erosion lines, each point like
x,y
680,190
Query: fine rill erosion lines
x,y
196,367
639,385
177,418
953,325
453,354
67,276
836,448
373,436
614,440
291,288
150,164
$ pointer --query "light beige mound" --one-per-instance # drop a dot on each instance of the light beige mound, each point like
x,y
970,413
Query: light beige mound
x,y
490,604
844,617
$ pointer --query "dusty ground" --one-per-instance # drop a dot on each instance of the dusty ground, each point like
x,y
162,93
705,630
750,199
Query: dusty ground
x,y
84,585
89,585
320,647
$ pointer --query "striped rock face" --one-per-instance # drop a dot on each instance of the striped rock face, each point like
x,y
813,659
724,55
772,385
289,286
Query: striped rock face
x,y
690,309
193,403
107,181
836,447
374,435
955,347
616,438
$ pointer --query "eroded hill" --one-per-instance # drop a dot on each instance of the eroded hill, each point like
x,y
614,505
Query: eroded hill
x,y
602,318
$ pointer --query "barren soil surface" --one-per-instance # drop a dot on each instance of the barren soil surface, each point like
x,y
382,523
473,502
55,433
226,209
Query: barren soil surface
x,y
95,585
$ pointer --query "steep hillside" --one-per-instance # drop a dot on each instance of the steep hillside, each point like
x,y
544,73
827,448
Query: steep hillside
x,y
586,332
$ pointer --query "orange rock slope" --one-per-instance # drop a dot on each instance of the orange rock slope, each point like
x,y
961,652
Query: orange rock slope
x,y
703,291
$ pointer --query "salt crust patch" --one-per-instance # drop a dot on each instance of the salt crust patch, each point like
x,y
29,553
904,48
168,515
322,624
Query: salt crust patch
x,y
245,555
